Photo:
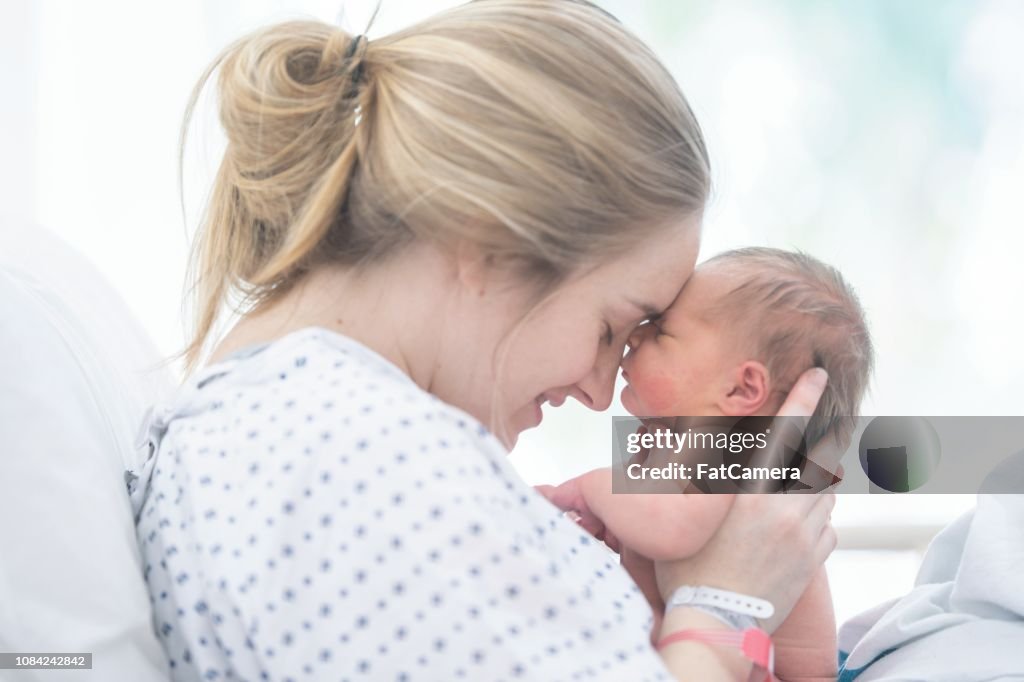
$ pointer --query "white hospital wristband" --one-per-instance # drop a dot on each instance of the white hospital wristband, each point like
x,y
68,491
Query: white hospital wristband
x,y
734,609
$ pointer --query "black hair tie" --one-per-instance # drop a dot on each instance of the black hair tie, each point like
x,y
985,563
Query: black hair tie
x,y
357,72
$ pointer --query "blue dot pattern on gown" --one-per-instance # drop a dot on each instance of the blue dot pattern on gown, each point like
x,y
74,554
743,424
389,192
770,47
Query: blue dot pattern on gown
x,y
312,514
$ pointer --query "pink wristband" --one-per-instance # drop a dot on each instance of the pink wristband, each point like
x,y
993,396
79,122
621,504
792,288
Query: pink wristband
x,y
754,643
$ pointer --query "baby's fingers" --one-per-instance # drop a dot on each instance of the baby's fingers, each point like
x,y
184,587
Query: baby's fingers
x,y
547,491
588,522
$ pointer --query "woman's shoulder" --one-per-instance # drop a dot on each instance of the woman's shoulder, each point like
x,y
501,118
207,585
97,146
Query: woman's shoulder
x,y
308,367
304,357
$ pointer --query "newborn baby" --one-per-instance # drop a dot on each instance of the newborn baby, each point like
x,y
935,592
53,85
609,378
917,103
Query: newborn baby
x,y
747,324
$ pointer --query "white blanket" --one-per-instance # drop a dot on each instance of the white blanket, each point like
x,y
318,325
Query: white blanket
x,y
964,619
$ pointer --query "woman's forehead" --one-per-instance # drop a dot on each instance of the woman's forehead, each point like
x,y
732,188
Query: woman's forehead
x,y
649,277
667,265
655,292
703,290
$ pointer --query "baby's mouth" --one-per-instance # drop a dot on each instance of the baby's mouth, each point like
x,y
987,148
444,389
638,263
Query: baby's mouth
x,y
554,401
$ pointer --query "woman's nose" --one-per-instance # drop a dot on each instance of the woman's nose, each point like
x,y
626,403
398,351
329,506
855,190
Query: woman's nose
x,y
599,386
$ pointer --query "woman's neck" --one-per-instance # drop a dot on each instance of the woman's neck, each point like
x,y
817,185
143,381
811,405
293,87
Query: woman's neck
x,y
383,307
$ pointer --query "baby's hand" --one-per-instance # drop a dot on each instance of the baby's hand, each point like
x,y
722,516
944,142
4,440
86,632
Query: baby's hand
x,y
569,498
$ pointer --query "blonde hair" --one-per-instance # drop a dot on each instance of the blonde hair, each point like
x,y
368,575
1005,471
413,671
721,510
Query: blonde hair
x,y
801,314
541,130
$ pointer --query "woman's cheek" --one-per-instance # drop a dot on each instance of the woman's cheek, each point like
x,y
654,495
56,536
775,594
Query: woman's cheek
x,y
557,370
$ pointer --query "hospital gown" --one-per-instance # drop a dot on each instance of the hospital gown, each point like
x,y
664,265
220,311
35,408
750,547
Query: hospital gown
x,y
307,512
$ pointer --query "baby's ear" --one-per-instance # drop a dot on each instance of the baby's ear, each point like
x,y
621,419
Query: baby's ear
x,y
747,390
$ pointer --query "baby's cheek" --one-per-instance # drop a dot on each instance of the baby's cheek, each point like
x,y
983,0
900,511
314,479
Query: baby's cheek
x,y
659,392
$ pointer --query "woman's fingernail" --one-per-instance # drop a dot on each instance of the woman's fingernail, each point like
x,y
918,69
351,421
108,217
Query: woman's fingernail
x,y
819,377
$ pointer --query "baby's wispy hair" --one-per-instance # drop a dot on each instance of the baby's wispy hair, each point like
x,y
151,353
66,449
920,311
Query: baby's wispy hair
x,y
802,313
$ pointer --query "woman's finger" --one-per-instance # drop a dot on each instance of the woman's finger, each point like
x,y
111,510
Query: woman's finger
x,y
819,525
805,394
775,507
820,512
825,544
786,446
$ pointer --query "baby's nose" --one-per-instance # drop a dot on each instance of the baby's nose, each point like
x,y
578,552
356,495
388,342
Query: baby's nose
x,y
637,336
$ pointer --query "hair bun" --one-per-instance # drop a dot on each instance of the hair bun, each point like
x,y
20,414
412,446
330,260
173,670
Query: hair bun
x,y
342,56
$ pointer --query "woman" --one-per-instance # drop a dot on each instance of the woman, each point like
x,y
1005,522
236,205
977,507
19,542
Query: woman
x,y
433,234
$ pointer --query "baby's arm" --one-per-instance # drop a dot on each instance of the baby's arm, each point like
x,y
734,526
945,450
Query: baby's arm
x,y
805,643
658,526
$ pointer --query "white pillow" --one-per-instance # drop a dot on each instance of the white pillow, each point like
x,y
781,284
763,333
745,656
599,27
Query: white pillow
x,y
76,375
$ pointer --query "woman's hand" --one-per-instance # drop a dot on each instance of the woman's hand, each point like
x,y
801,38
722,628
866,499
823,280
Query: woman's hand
x,y
769,545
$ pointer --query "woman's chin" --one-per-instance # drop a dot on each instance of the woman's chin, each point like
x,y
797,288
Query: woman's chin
x,y
529,417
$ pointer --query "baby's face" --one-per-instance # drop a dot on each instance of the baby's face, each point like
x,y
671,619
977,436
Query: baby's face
x,y
679,364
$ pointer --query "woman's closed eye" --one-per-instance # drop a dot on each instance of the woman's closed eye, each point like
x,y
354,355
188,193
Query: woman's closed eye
x,y
654,320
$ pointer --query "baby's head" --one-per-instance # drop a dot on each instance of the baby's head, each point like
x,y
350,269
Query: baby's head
x,y
747,324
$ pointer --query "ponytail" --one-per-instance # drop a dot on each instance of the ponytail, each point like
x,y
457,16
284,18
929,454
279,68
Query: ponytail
x,y
289,99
